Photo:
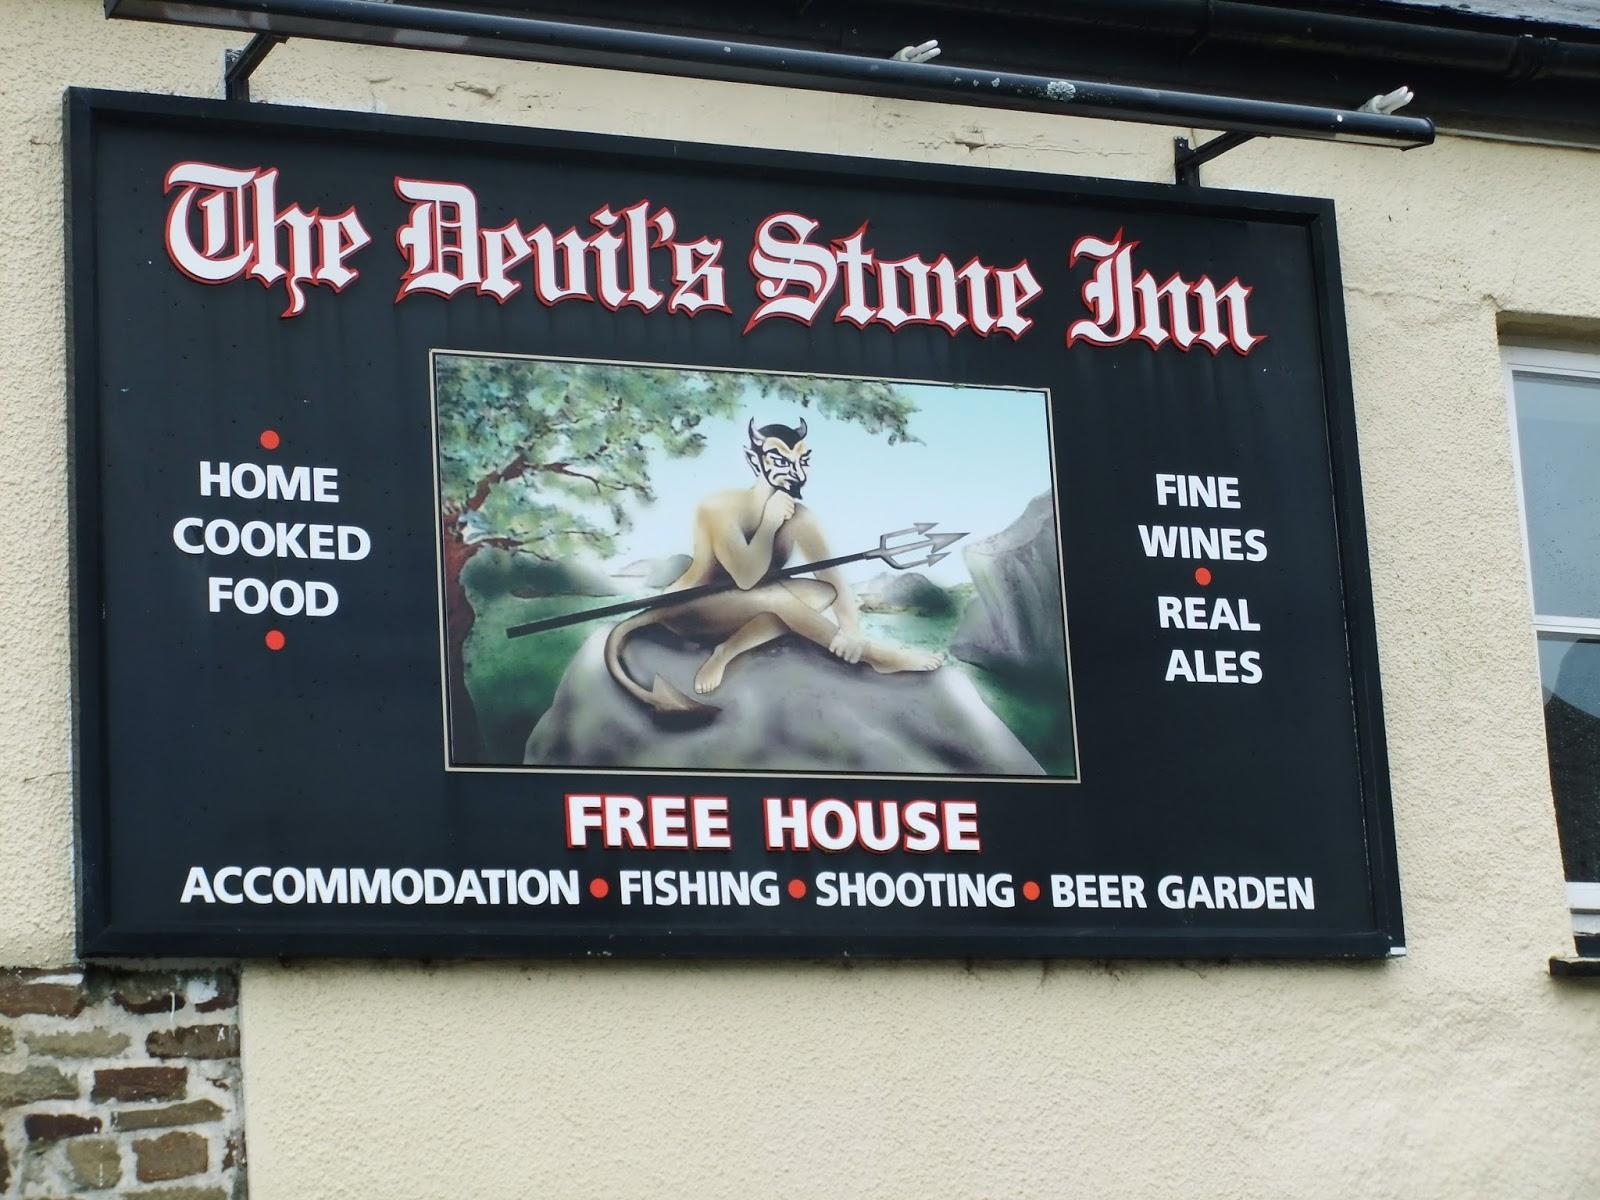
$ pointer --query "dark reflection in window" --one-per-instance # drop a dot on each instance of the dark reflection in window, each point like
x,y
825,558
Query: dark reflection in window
x,y
1570,670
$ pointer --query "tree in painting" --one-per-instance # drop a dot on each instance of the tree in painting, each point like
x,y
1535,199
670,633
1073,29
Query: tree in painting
x,y
549,458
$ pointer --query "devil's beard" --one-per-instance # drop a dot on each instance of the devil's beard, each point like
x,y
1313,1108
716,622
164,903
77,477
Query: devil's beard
x,y
791,486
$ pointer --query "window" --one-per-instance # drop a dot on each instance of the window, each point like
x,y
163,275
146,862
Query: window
x,y
1555,407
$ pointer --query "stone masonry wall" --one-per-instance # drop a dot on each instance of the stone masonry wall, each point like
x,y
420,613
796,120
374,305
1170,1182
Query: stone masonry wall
x,y
117,1083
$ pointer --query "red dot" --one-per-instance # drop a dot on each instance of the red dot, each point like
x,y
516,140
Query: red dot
x,y
1202,575
599,889
270,439
274,639
1030,890
797,889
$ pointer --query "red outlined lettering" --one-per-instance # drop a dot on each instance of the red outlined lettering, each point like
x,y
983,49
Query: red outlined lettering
x,y
1123,307
239,224
440,240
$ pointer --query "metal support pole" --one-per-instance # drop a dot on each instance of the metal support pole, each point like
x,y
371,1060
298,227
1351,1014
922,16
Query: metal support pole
x,y
496,35
239,65
1186,160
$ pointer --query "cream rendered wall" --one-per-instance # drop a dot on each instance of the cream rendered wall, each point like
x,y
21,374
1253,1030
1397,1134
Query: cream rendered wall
x,y
1461,1070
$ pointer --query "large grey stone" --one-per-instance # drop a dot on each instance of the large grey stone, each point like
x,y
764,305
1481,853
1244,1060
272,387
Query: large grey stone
x,y
96,1163
34,1083
1013,623
77,1043
789,706
194,1112
905,591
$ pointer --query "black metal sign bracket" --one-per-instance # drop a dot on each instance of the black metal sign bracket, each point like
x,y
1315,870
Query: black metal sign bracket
x,y
239,65
1186,159
910,74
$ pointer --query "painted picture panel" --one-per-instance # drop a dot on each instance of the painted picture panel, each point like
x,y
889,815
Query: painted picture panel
x,y
694,570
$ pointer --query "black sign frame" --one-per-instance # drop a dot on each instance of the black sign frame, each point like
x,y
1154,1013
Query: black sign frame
x,y
102,932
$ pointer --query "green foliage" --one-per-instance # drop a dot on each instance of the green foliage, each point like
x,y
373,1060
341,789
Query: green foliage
x,y
1036,710
550,457
514,680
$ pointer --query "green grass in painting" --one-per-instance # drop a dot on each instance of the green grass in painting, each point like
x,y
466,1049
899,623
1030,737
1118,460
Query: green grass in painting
x,y
513,680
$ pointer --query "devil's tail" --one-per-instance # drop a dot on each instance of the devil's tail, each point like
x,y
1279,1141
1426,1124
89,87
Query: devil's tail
x,y
667,701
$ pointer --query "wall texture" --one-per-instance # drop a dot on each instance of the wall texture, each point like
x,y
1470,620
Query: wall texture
x,y
1459,1070
120,1079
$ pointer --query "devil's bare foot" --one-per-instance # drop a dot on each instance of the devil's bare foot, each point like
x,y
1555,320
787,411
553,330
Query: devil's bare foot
x,y
709,677
889,659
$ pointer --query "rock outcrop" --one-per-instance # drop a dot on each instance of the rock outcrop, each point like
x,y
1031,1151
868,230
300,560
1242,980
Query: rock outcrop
x,y
789,706
905,591
1013,623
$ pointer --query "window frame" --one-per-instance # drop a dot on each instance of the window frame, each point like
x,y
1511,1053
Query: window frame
x,y
1535,358
1543,359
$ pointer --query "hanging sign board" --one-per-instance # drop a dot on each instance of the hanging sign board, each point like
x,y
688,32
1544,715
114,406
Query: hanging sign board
x,y
502,541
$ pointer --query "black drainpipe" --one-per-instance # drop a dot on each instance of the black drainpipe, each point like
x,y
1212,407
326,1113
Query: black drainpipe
x,y
1505,55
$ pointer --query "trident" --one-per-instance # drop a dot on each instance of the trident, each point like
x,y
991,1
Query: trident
x,y
889,549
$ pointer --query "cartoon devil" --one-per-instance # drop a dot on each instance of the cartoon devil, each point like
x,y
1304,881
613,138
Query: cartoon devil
x,y
742,535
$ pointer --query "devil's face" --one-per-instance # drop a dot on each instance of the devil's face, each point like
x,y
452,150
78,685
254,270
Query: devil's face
x,y
785,467
780,455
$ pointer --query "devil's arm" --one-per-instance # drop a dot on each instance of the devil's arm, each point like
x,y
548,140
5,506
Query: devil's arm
x,y
746,562
813,547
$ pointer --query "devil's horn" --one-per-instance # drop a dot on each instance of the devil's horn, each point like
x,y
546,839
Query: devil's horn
x,y
754,440
802,430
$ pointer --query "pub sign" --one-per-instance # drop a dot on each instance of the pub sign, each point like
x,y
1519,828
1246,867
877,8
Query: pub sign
x,y
501,541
